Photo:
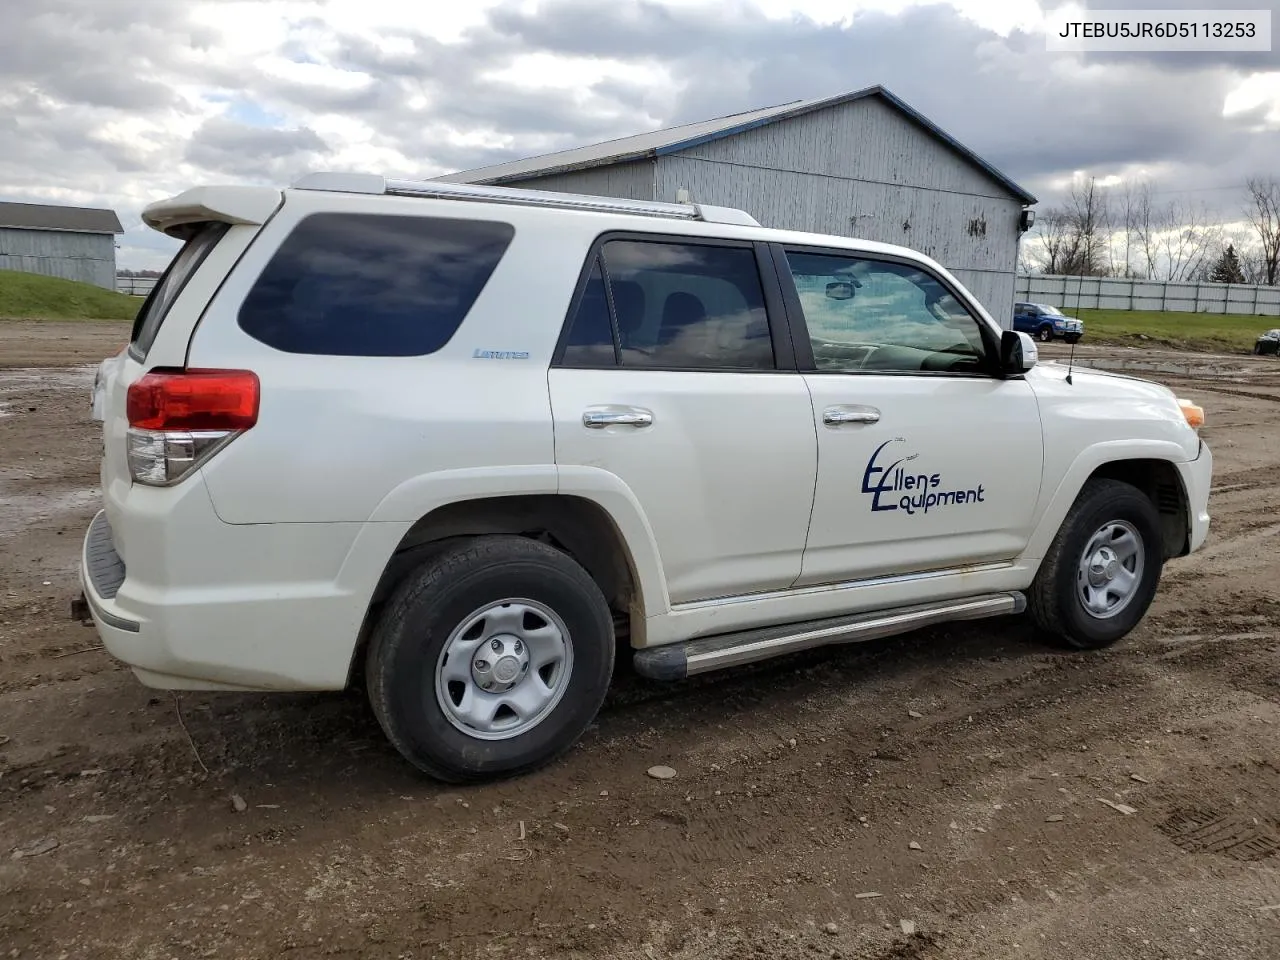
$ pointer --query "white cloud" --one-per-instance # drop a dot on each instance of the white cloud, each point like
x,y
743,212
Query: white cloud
x,y
119,102
1258,94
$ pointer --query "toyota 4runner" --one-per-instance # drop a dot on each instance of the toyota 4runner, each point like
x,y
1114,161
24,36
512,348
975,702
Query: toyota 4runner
x,y
457,442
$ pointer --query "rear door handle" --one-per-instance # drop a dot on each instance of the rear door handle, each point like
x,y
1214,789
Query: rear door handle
x,y
597,418
849,413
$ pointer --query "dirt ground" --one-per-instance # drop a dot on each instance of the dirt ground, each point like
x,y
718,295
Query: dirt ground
x,y
934,796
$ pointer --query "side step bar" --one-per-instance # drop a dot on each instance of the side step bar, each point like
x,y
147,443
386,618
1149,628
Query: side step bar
x,y
676,661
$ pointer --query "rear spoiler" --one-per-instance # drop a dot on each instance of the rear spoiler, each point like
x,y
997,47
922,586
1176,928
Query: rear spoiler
x,y
176,215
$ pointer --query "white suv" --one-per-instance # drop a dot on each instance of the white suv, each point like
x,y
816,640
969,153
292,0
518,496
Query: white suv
x,y
460,441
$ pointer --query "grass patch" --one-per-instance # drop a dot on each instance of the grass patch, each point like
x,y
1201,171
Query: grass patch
x,y
1190,331
29,296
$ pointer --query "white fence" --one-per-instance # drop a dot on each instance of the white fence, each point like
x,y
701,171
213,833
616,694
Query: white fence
x,y
1109,293
135,286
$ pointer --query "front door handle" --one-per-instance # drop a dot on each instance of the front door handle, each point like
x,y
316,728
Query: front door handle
x,y
597,418
849,413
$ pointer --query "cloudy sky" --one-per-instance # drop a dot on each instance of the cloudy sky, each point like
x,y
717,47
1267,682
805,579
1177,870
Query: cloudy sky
x,y
119,102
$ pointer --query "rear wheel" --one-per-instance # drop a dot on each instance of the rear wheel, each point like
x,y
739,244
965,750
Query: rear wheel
x,y
1100,574
1044,334
491,659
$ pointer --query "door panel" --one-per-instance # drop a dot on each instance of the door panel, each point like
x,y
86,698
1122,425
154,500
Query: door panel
x,y
724,470
925,460
947,474
673,377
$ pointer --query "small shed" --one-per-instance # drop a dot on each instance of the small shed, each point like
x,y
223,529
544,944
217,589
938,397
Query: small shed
x,y
75,243
862,164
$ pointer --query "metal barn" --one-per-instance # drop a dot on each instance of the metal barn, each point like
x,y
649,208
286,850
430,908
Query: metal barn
x,y
75,243
862,164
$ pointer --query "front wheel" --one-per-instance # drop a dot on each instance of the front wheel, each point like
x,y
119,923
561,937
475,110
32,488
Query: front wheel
x,y
1100,574
491,659
1072,338
1044,334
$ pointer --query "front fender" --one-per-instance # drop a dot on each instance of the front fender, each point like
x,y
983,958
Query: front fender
x,y
1056,502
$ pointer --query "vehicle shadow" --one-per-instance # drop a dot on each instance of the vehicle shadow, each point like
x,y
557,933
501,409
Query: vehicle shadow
x,y
332,744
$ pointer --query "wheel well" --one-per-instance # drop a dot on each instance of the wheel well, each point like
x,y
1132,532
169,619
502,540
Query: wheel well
x,y
577,526
1159,480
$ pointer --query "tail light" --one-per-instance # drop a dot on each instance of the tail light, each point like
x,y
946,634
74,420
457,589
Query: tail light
x,y
178,419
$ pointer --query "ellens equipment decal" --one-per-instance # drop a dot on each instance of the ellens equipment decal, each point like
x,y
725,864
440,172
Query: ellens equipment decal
x,y
896,487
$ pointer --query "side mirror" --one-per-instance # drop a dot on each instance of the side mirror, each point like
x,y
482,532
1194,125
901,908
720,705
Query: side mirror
x,y
1018,353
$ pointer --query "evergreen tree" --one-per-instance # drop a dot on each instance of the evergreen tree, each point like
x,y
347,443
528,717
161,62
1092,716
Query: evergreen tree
x,y
1227,269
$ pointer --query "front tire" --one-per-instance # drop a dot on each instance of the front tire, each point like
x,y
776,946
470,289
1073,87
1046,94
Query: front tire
x,y
1044,334
1101,572
491,659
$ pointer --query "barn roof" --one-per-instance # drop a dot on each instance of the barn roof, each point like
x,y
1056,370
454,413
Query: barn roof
x,y
47,216
658,143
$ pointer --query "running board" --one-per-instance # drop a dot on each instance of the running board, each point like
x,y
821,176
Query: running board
x,y
676,661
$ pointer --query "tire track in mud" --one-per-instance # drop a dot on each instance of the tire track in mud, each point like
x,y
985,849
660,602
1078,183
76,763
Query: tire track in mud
x,y
343,851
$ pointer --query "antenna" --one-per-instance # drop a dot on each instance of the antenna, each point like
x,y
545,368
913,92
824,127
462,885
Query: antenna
x,y
1071,359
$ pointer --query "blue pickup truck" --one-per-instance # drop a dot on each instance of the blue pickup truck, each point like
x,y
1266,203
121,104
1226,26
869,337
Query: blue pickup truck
x,y
1046,323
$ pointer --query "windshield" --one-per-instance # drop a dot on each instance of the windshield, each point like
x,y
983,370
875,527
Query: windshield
x,y
1051,311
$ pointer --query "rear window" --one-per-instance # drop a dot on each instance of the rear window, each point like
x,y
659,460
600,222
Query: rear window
x,y
154,309
370,285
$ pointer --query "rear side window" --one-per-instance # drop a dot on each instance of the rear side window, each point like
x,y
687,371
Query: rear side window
x,y
154,309
368,285
674,306
590,342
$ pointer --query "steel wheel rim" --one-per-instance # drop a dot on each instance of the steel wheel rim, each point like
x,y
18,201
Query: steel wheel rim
x,y
1110,570
522,650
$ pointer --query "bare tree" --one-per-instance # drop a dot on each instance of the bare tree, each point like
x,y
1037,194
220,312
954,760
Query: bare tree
x,y
1075,239
1090,216
1128,223
1058,244
1188,241
1146,228
1174,240
1263,215
1248,253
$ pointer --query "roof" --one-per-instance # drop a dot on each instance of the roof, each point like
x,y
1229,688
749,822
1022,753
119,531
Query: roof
x,y
48,216
646,146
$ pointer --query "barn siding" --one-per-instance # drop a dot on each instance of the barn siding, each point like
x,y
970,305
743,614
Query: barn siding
x,y
632,181
86,257
861,169
975,236
863,140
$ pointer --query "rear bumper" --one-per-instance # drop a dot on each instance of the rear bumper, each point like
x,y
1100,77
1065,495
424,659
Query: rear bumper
x,y
204,605
1197,477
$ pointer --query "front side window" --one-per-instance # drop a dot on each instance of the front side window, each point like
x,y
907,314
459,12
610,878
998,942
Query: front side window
x,y
867,315
675,306
372,285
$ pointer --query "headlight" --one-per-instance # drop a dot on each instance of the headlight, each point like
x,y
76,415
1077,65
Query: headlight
x,y
1194,414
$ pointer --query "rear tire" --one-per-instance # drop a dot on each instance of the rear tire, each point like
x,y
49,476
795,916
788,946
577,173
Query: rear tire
x,y
491,659
1101,571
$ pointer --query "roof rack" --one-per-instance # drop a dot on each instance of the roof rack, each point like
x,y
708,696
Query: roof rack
x,y
369,183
